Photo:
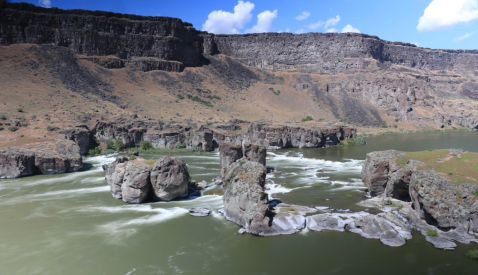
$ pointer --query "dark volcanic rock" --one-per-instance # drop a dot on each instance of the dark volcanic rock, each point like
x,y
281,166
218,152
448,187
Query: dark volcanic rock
x,y
169,179
54,157
81,136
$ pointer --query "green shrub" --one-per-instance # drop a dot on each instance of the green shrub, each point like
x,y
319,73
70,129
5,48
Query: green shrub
x,y
145,145
119,145
216,97
272,89
396,119
160,121
180,96
345,120
110,144
95,151
1,128
49,128
308,118
321,119
179,145
24,124
189,96
475,193
13,128
473,254
133,157
454,128
199,90
432,233
22,135
384,125
3,117
20,109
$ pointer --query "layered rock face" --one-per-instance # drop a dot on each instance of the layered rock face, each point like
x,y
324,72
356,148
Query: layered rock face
x,y
139,180
98,33
319,52
56,157
436,199
267,134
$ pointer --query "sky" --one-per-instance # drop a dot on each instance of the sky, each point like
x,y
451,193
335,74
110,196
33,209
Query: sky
x,y
444,24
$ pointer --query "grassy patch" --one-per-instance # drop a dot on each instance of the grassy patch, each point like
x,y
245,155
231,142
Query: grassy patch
x,y
473,254
155,150
458,169
307,118
432,233
145,145
181,97
275,92
12,128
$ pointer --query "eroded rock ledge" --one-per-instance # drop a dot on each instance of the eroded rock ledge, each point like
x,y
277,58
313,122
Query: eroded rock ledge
x,y
55,157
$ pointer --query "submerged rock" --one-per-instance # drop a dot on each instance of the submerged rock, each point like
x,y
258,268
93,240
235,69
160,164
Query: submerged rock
x,y
441,243
199,212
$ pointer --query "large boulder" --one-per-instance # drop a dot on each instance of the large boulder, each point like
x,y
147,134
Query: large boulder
x,y
379,169
53,157
228,154
136,184
114,175
169,178
245,202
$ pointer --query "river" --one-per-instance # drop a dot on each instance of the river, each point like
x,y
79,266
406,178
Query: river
x,y
70,223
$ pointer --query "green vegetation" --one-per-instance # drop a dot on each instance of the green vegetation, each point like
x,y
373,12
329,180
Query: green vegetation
x,y
475,193
160,121
49,128
145,145
20,110
321,119
213,97
233,175
384,125
399,206
119,145
241,162
110,144
181,97
24,124
3,117
345,119
12,128
179,145
1,128
196,98
133,157
114,97
473,254
275,92
156,150
432,233
458,169
95,151
358,140
308,118
22,135
396,119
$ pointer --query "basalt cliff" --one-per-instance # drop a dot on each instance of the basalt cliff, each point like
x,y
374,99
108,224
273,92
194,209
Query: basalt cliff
x,y
64,68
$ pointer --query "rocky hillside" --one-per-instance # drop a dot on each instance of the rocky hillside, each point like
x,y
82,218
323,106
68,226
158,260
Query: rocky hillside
x,y
63,68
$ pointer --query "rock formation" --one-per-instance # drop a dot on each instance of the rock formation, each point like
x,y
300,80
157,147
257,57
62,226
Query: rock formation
x,y
59,156
247,204
429,185
169,178
139,180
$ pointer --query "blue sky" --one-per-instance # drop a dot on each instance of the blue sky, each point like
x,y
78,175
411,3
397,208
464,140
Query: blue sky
x,y
446,24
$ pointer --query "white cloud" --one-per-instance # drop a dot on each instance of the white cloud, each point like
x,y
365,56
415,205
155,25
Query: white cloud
x,y
286,30
416,44
44,3
224,22
465,36
304,15
316,25
264,22
442,14
300,31
331,30
350,28
332,21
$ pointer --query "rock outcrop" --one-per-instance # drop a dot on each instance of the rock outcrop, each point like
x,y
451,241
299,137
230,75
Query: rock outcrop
x,y
428,185
247,204
228,154
140,180
55,157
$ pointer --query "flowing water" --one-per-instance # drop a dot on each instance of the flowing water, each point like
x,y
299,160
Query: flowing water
x,y
70,224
